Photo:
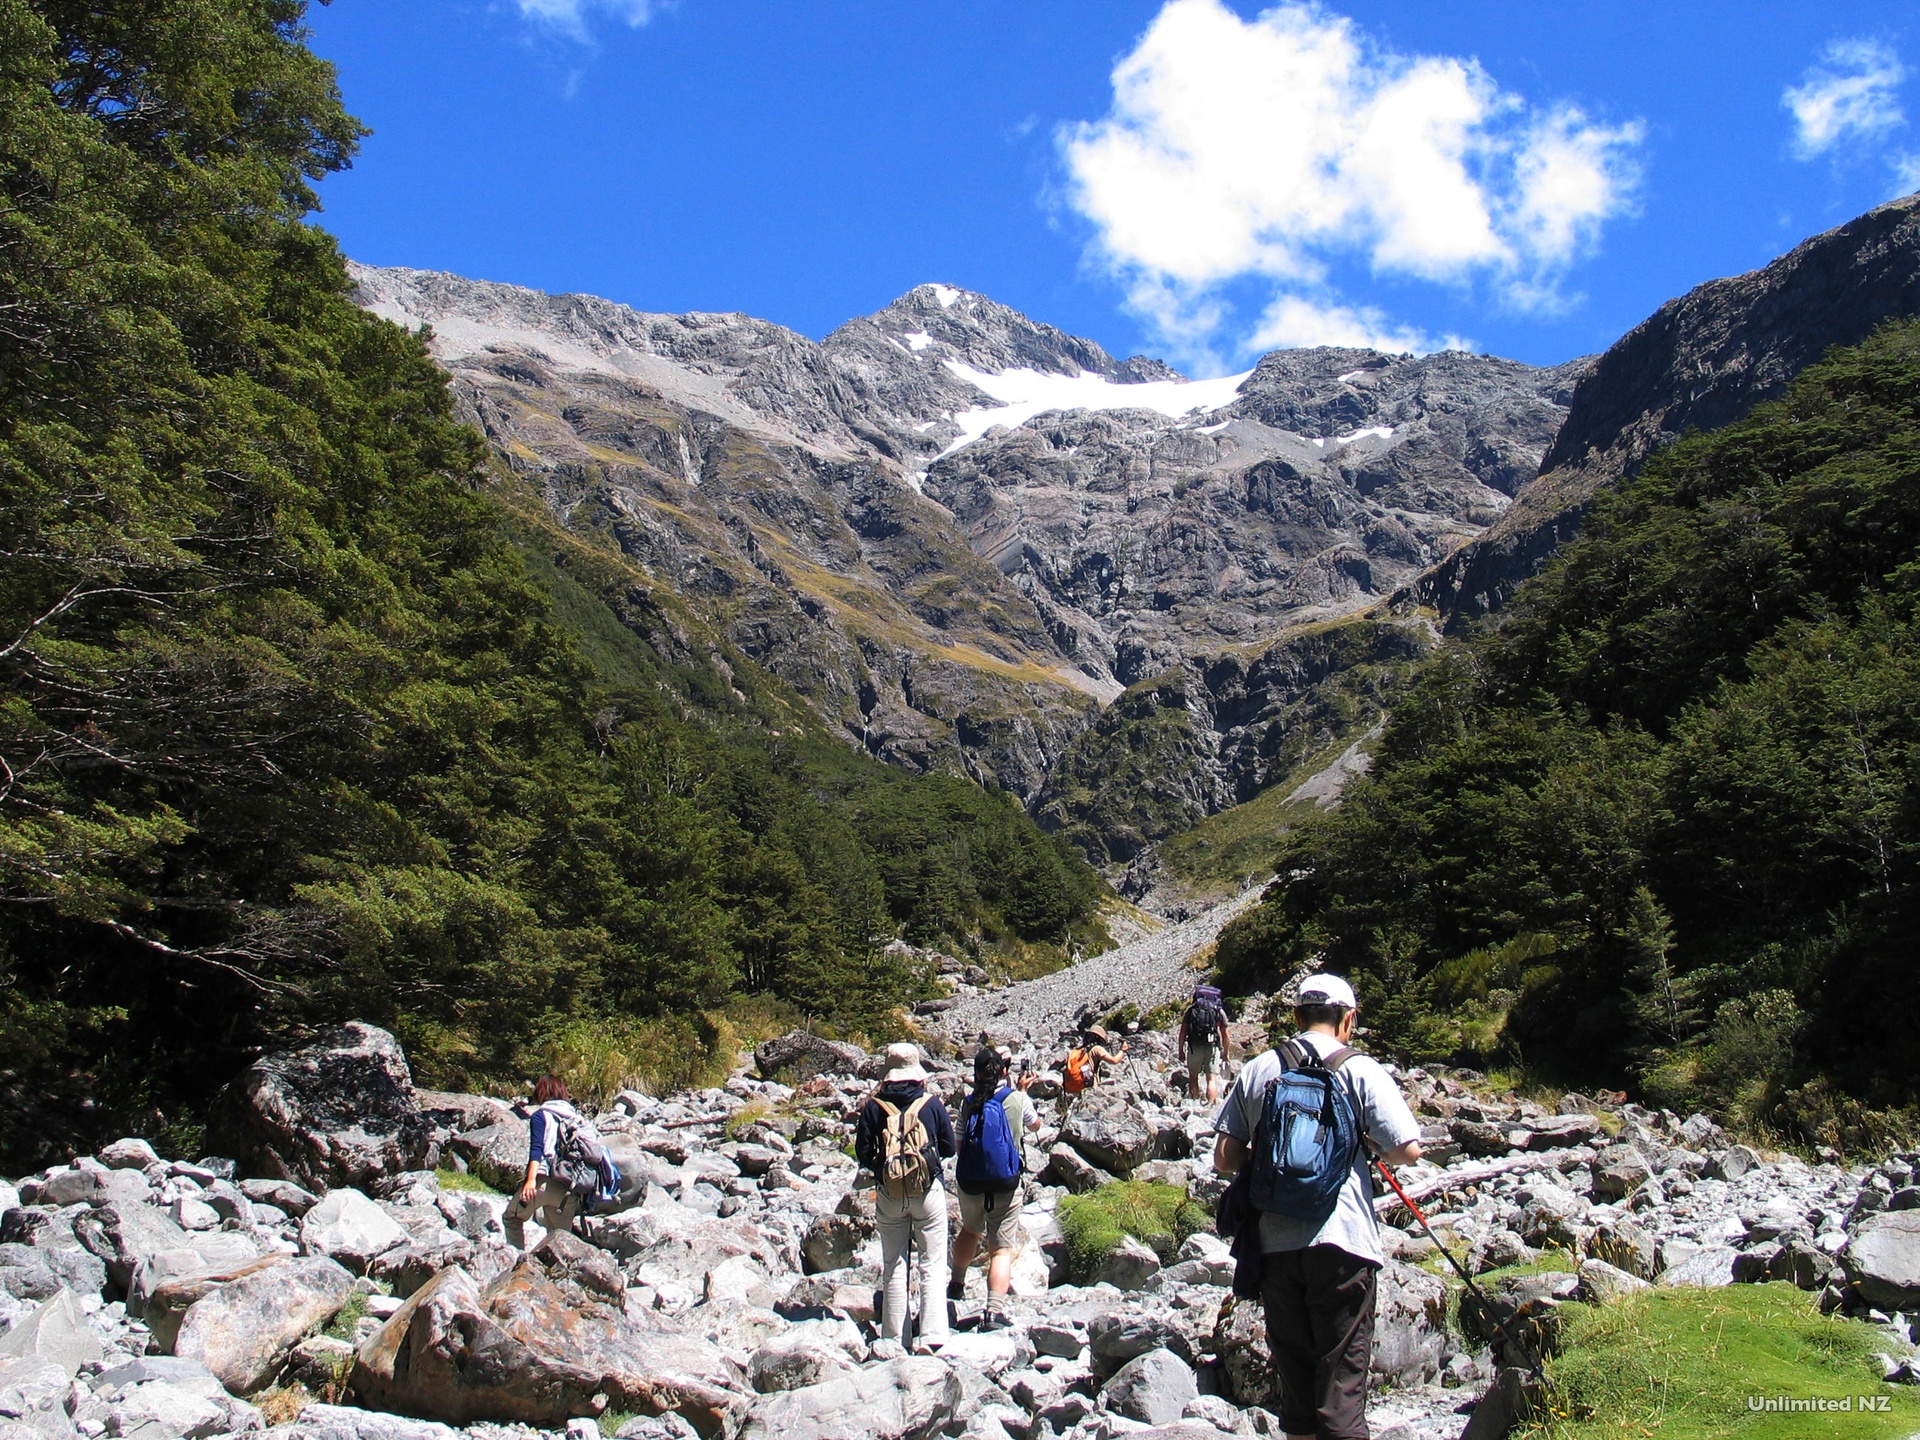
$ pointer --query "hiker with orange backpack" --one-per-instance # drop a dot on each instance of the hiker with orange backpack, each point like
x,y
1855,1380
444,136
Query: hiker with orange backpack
x,y
902,1135
1084,1060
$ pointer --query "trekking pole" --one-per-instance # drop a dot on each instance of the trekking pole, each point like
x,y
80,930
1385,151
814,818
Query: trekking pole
x,y
1526,1352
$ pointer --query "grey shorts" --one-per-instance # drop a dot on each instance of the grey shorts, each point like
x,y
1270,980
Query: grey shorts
x,y
994,1218
1203,1060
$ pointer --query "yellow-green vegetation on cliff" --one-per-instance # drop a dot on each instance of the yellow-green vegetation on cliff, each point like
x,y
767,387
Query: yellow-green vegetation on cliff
x,y
302,717
1223,729
1662,821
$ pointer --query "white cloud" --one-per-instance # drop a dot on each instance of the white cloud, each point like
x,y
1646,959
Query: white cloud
x,y
1851,96
1295,320
570,16
1275,147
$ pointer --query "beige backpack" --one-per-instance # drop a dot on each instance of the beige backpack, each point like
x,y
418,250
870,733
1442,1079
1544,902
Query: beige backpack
x,y
904,1173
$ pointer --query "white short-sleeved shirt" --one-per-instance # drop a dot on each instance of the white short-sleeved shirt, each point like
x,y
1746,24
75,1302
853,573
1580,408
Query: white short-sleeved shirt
x,y
1385,1119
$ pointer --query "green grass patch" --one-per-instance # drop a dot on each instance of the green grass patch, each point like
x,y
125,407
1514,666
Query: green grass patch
x,y
463,1180
1681,1364
1154,1214
345,1324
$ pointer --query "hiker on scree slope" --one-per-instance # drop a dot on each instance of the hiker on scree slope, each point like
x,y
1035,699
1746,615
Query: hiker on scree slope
x,y
1203,1042
545,1194
902,1135
993,1127
1084,1060
1317,1274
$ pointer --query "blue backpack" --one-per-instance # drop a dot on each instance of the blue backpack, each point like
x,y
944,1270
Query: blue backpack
x,y
989,1162
1308,1137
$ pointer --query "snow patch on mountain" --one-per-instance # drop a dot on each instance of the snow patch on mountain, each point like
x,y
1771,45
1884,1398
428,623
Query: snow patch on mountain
x,y
1025,393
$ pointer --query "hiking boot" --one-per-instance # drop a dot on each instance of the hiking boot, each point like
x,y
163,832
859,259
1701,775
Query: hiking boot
x,y
957,1289
994,1320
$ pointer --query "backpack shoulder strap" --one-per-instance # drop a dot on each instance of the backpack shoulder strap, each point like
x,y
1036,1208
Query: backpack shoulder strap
x,y
887,1107
912,1111
1292,1055
1339,1057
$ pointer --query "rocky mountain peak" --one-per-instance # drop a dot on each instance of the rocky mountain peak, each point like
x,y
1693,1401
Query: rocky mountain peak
x,y
940,323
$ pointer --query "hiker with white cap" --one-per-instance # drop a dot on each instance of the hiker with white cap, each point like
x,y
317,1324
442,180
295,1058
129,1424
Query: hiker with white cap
x,y
902,1135
1298,1122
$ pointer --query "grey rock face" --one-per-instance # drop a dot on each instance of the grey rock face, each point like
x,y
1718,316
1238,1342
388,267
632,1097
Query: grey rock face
x,y
821,510
1332,478
1698,362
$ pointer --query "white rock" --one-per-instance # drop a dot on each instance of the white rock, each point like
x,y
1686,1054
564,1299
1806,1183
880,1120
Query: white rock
x,y
55,1333
350,1228
191,1214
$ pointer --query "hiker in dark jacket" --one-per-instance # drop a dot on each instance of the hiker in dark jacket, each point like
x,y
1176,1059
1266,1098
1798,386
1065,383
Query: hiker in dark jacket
x,y
910,1203
1203,1043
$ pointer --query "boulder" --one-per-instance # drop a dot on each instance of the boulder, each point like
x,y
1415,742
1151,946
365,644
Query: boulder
x,y
141,1247
570,1261
1802,1263
1128,1266
128,1154
341,1111
346,1422
497,1153
1883,1260
1485,1137
29,1272
847,1293
1066,1168
1733,1162
799,1056
242,1330
33,1401
407,1268
56,1332
797,1359
1153,1388
160,1397
1627,1245
1601,1282
167,1306
832,1243
453,1111
904,1399
1550,1215
1123,1335
1108,1131
282,1194
1409,1325
1619,1171
1240,1342
1708,1267
1555,1132
525,1350
351,1229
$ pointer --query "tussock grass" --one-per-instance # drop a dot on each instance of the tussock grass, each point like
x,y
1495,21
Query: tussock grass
x,y
1154,1214
1680,1364
466,1180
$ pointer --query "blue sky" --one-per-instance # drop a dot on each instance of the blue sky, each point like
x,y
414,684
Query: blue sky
x,y
1195,179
